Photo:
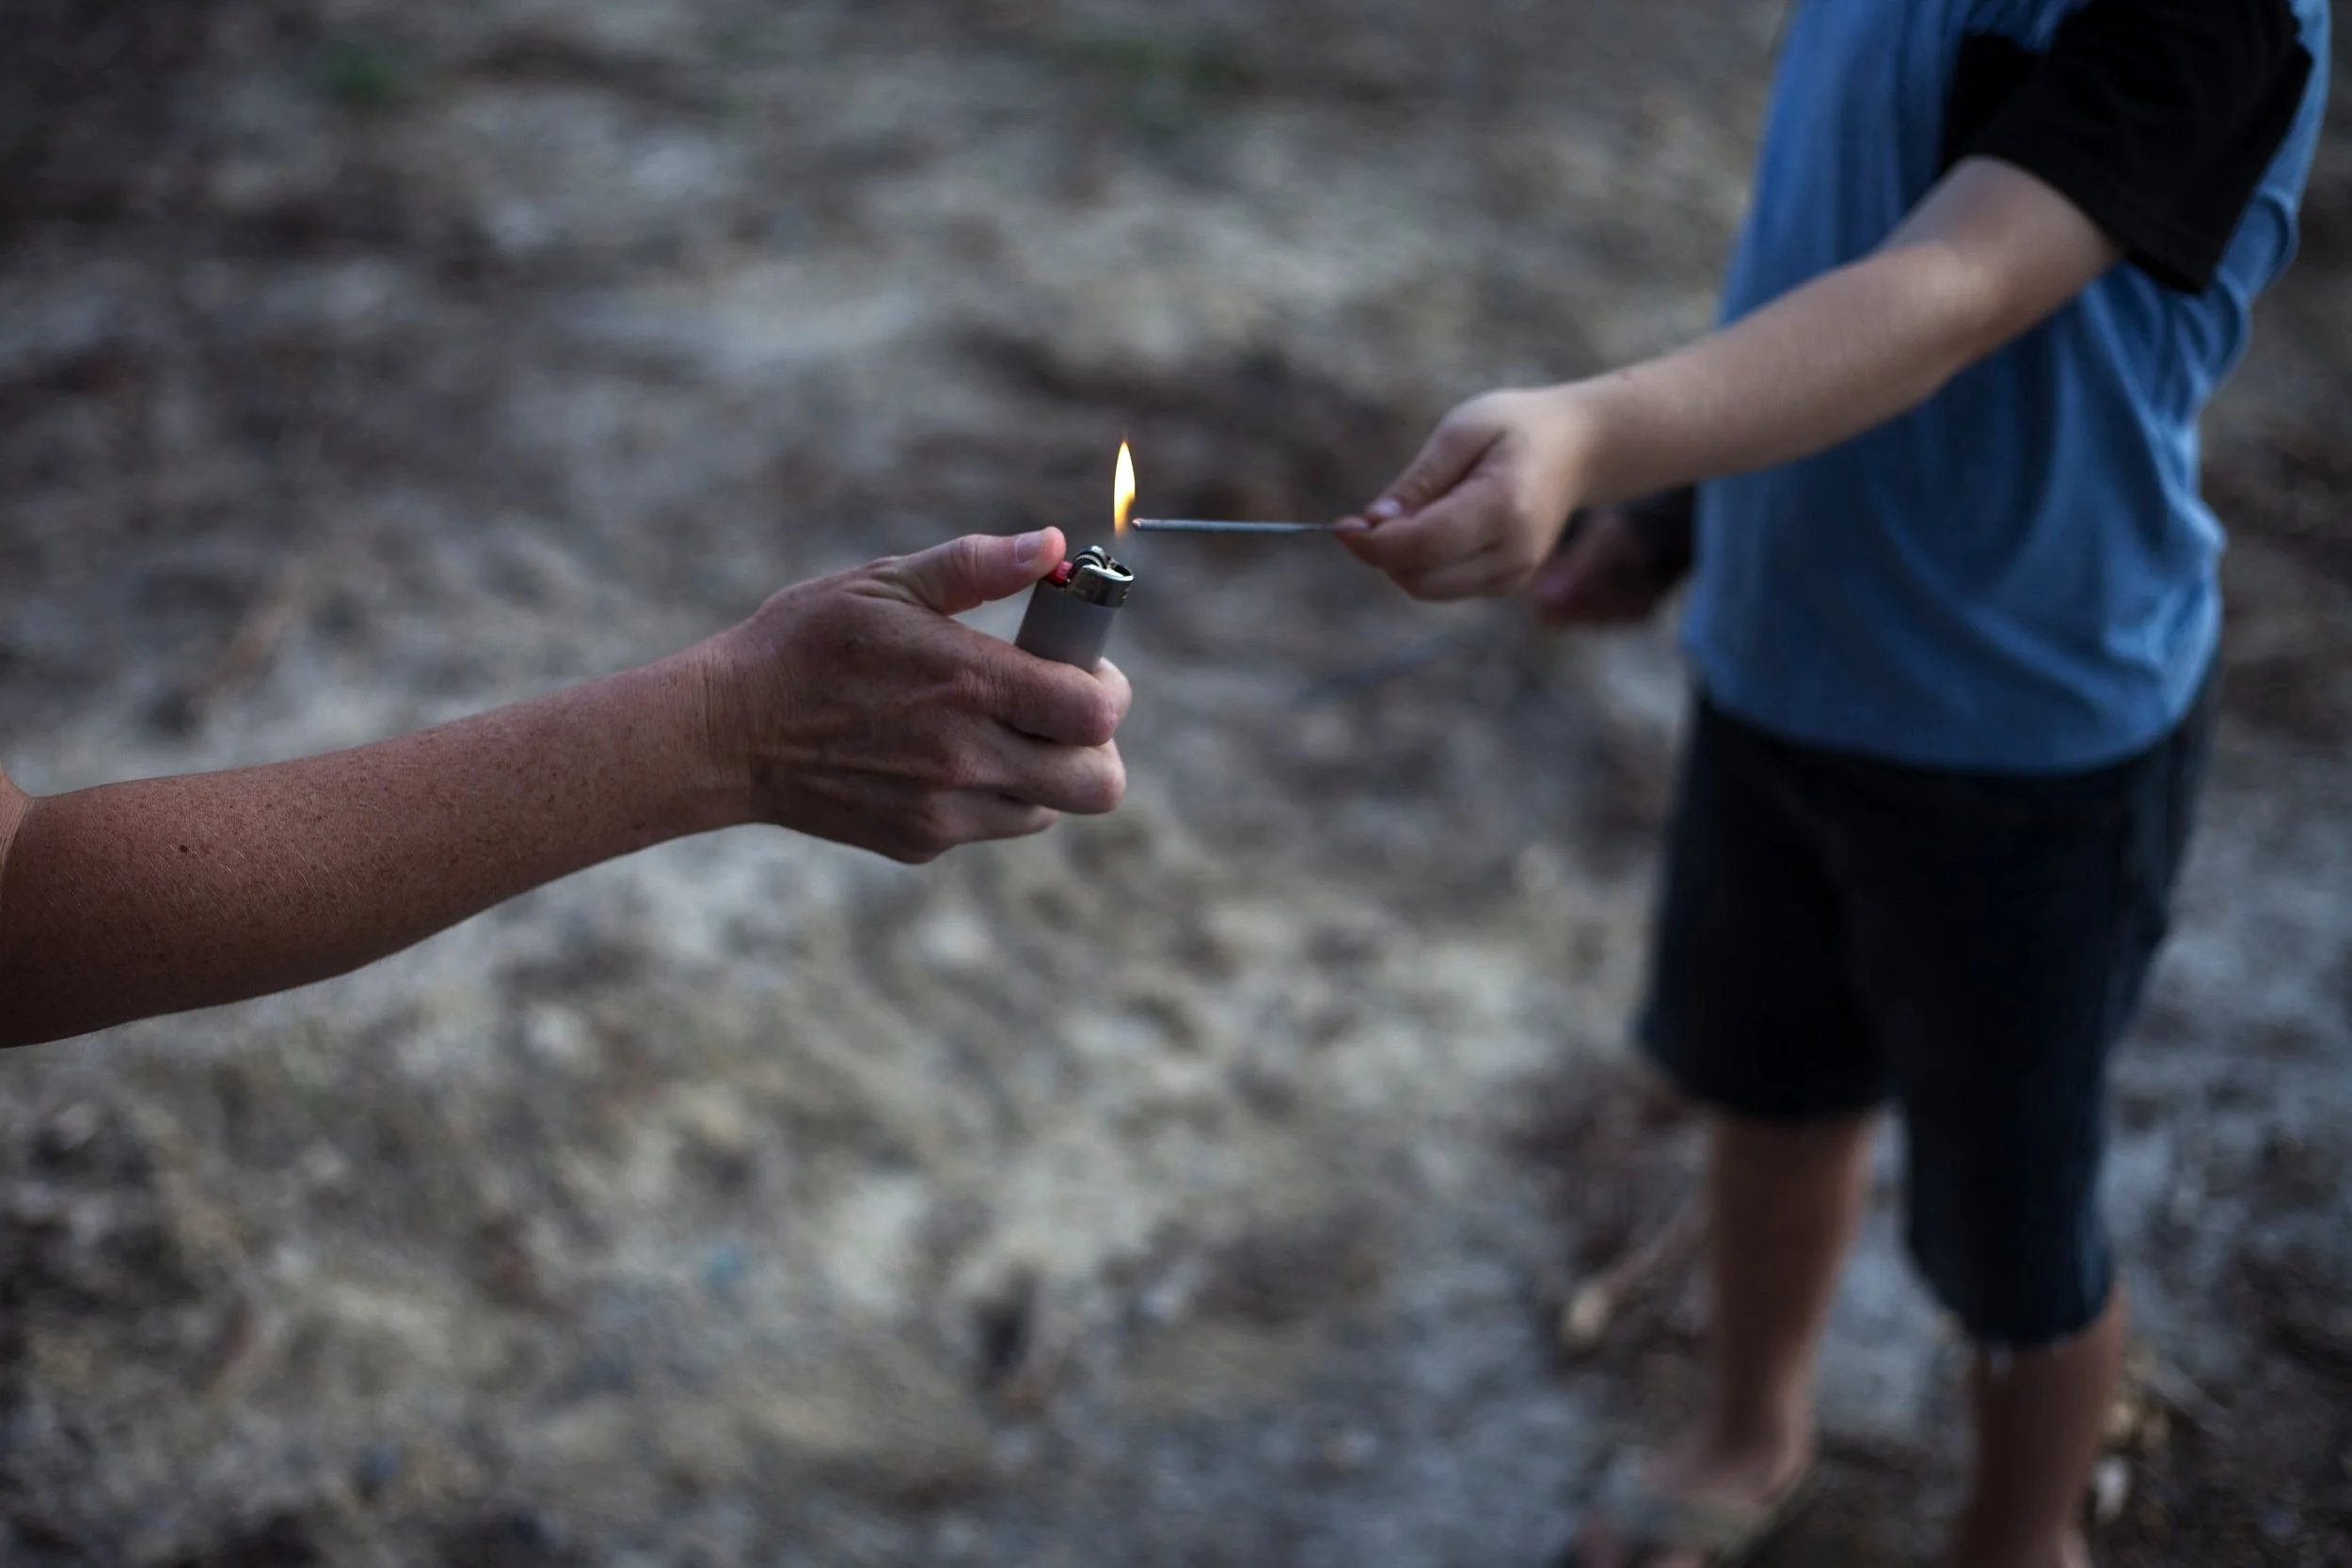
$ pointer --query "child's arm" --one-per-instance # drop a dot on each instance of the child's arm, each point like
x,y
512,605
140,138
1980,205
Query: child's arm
x,y
1990,253
850,707
2147,129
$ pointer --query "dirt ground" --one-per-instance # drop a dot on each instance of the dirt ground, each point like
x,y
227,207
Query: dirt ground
x,y
1196,1186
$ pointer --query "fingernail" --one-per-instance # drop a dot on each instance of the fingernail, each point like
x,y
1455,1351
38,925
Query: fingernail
x,y
1025,548
1351,525
1385,508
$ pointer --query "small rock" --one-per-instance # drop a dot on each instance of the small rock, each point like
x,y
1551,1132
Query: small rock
x,y
955,940
557,1034
2122,1419
1586,1319
70,1130
1172,1295
2110,1489
324,1169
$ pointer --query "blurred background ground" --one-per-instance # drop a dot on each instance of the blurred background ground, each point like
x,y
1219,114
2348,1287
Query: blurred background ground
x,y
1196,1186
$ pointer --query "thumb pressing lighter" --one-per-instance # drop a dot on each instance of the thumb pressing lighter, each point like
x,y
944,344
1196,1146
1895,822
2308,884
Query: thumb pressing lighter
x,y
1070,612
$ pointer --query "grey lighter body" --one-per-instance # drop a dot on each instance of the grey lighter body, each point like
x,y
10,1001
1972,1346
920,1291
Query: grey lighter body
x,y
1069,621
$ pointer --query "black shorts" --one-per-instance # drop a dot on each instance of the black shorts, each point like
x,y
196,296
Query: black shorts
x,y
1836,931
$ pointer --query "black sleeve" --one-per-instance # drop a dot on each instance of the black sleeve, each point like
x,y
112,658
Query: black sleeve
x,y
2157,117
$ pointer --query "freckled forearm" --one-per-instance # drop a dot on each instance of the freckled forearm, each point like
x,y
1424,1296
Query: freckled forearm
x,y
149,897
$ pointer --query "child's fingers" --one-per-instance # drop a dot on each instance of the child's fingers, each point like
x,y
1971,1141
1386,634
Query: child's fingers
x,y
1452,450
1440,536
1459,524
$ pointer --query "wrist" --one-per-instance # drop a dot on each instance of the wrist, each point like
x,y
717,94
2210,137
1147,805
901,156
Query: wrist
x,y
693,732
1565,442
1576,416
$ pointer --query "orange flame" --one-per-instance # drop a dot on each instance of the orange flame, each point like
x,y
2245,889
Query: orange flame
x,y
1122,490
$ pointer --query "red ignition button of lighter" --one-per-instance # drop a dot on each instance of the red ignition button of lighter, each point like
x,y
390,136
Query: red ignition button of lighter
x,y
1071,612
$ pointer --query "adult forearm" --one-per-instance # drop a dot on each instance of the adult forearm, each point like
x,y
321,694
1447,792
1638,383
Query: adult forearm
x,y
1844,353
854,707
169,893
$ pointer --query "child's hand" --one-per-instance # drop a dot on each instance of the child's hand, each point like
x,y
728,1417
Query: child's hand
x,y
1481,507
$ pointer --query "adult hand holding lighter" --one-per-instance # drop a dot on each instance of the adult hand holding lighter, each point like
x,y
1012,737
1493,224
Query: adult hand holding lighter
x,y
854,707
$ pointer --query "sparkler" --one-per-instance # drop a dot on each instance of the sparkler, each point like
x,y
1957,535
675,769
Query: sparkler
x,y
1203,525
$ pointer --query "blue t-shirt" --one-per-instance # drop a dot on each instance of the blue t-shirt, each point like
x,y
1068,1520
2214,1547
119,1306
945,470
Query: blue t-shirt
x,y
2018,575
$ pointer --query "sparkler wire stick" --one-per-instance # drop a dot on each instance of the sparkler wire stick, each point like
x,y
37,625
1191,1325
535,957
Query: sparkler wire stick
x,y
1203,525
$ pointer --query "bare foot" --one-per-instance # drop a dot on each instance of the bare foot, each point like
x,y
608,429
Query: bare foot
x,y
1700,1465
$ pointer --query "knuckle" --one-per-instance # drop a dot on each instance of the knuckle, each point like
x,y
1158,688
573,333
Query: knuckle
x,y
1121,698
1106,785
971,688
1481,412
934,831
967,557
964,768
1099,721
940,756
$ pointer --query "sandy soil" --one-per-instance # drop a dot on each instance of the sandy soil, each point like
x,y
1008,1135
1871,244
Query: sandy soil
x,y
1196,1186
